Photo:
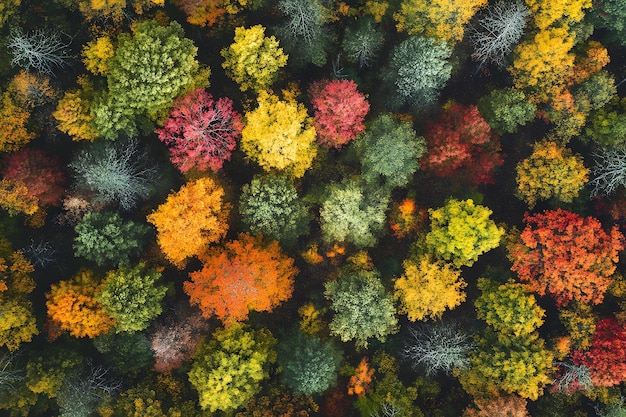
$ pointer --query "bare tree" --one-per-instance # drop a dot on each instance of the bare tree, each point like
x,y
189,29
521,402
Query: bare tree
x,y
572,378
40,50
439,347
497,31
362,42
388,409
82,392
608,172
40,254
9,373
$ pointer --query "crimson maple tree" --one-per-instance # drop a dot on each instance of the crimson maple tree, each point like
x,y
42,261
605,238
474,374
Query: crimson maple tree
x,y
246,275
201,132
461,142
566,256
339,111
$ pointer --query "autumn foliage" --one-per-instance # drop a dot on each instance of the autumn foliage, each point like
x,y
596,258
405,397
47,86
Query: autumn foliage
x,y
246,275
13,118
201,132
566,256
339,111
15,198
461,142
498,405
360,382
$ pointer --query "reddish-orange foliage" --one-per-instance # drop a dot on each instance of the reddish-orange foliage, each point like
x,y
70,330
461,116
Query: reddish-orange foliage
x,y
595,58
336,404
203,12
360,382
406,219
499,405
606,359
566,256
246,275
461,142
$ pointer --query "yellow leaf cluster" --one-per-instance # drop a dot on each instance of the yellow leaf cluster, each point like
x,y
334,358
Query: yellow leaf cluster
x,y
17,323
427,288
96,55
15,198
279,134
73,112
546,12
311,319
376,8
13,119
550,171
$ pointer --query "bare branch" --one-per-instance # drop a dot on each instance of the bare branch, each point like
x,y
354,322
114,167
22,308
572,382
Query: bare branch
x,y
609,171
40,50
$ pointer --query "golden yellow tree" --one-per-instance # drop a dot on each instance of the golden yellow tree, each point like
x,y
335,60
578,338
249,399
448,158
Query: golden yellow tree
x,y
73,112
96,55
13,119
191,219
547,12
427,288
15,198
279,134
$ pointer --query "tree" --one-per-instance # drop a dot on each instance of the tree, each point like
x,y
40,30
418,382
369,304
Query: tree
x,y
73,112
428,288
10,373
97,55
566,256
506,109
610,15
363,309
418,68
461,141
270,205
339,111
361,379
439,19
119,172
15,198
128,354
362,42
183,229
607,126
281,404
309,366
13,117
608,173
402,149
497,31
150,68
580,322
82,392
73,306
227,370
351,213
572,377
253,60
279,135
207,12
106,239
551,171
18,324
440,347
461,231
32,90
606,359
508,308
500,405
41,50
201,132
42,175
132,297
248,274
546,13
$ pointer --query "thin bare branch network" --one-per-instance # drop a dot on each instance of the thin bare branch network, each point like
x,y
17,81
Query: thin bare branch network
x,y
41,50
9,374
81,393
388,409
573,378
40,254
608,172
304,18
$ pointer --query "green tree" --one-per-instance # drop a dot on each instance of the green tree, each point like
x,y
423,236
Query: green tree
x,y
418,68
362,41
363,308
227,370
461,231
507,109
607,126
129,354
309,365
270,205
150,68
107,239
402,149
610,15
132,297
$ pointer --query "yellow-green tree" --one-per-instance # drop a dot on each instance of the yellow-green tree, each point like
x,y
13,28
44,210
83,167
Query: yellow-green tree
x,y
427,288
441,19
461,231
96,55
547,12
13,118
73,112
279,134
550,171
253,59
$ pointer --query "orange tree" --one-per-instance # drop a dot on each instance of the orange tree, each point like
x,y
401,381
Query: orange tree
x,y
246,275
566,256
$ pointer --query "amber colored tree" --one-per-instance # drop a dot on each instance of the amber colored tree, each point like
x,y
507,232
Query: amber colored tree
x,y
567,256
246,275
606,359
339,111
547,12
15,198
499,405
13,118
209,12
190,219
461,143
201,132
32,89
406,219
73,306
361,380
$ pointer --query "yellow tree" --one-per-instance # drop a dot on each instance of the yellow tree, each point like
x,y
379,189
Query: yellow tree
x,y
427,288
441,19
96,55
15,198
13,119
279,134
548,12
253,60
191,219
543,62
73,112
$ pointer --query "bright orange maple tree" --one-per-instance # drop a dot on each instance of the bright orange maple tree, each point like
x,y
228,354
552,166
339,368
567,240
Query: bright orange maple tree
x,y
247,274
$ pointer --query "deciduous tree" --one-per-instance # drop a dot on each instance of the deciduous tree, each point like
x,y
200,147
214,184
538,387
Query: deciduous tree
x,y
608,173
15,198
499,405
97,55
73,112
13,117
507,109
546,13
281,404
362,42
42,50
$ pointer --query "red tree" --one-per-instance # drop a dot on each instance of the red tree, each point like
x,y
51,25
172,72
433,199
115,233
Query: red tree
x,y
247,275
42,175
201,132
567,256
461,141
339,111
606,359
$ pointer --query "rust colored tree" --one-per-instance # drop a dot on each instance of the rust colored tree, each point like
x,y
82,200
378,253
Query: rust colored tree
x,y
201,132
498,405
566,256
246,275
461,142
